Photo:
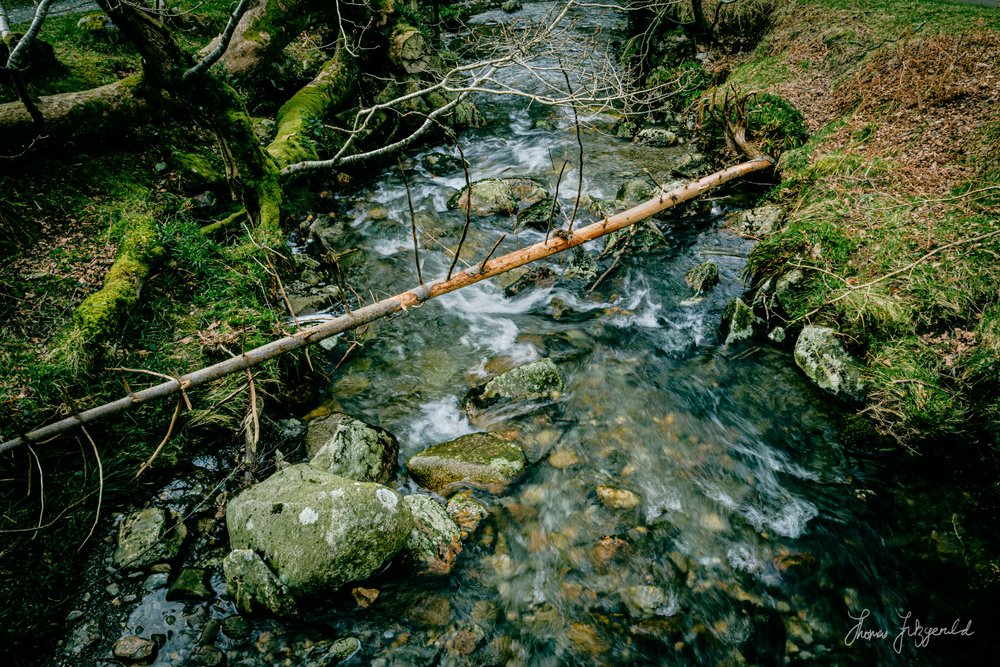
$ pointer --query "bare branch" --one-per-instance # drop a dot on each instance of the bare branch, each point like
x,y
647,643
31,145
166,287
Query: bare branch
x,y
224,39
14,60
5,32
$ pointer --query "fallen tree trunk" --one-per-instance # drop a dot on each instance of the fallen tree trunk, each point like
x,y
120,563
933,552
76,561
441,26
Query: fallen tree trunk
x,y
400,302
95,112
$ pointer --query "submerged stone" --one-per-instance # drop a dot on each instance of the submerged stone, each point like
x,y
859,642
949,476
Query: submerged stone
x,y
583,266
435,540
148,537
822,357
641,237
351,448
319,531
134,649
441,164
526,278
703,277
191,584
538,216
498,196
480,459
467,512
634,192
255,589
619,499
538,380
235,627
645,601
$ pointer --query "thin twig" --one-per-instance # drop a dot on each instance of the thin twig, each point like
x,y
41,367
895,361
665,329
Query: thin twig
x,y
100,488
159,448
252,437
413,220
41,491
555,201
611,268
579,142
468,208
482,265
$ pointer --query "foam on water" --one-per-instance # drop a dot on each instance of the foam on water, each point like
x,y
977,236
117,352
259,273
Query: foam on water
x,y
437,421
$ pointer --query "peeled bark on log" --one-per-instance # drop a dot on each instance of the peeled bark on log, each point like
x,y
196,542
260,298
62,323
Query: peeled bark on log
x,y
558,243
88,113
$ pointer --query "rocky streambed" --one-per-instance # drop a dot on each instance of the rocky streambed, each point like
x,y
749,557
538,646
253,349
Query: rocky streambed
x,y
573,464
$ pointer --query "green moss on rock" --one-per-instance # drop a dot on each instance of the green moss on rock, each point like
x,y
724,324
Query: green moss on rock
x,y
351,448
254,588
319,531
538,380
148,537
481,459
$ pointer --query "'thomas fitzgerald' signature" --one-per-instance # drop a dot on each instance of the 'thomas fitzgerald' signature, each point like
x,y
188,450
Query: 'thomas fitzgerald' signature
x,y
911,628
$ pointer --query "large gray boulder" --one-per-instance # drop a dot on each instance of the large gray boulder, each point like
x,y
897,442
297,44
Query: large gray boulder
x,y
254,588
495,196
538,380
822,357
319,531
148,537
436,539
479,459
351,448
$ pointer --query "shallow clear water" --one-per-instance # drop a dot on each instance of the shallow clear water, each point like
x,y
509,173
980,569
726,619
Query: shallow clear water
x,y
756,535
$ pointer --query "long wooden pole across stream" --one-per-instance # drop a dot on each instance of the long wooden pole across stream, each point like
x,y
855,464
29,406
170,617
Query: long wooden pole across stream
x,y
385,307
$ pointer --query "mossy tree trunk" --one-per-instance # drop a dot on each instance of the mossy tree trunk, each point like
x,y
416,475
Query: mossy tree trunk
x,y
252,171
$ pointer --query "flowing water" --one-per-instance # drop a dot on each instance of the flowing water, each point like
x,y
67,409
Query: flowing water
x,y
756,536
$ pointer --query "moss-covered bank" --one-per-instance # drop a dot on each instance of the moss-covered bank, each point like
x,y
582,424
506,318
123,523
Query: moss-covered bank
x,y
893,202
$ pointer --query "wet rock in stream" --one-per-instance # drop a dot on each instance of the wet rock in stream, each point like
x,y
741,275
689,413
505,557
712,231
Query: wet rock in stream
x,y
738,322
147,537
538,380
498,196
254,588
191,584
467,512
479,459
435,540
619,499
822,357
317,530
133,649
703,277
349,447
